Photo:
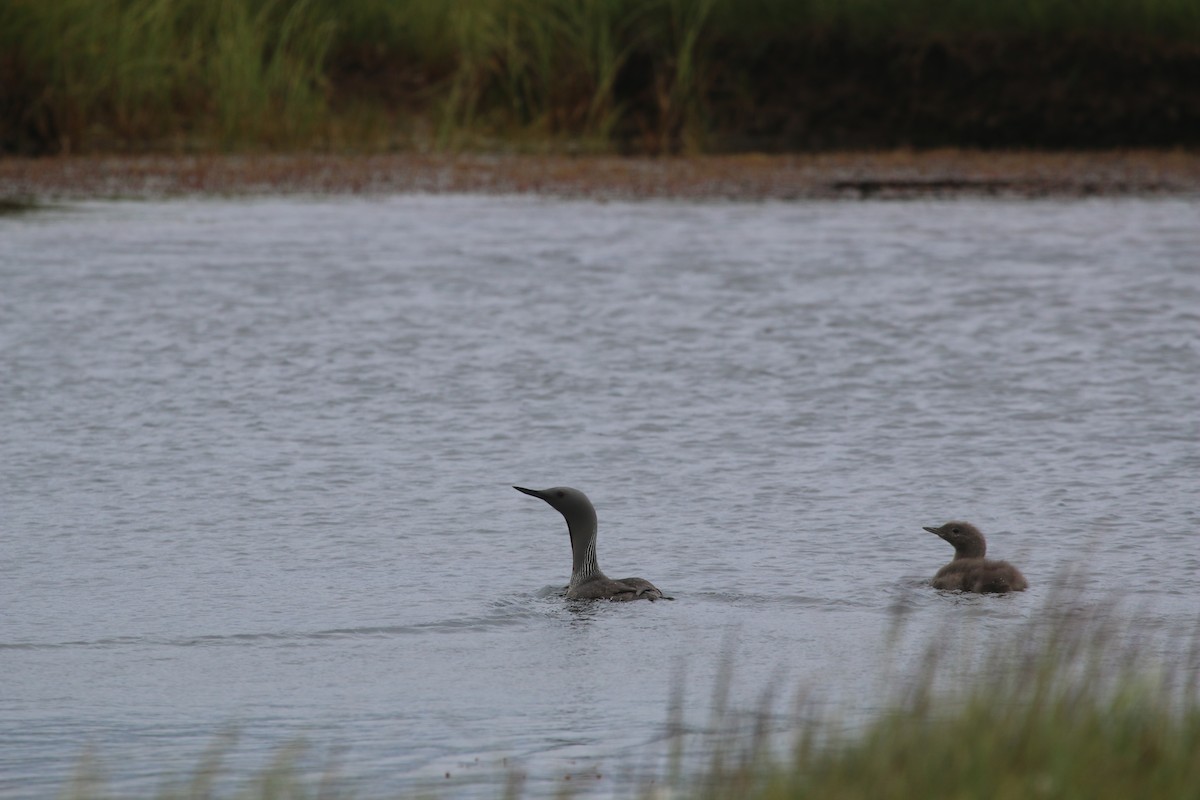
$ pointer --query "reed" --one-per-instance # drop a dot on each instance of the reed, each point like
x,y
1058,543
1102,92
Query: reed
x,y
866,19
1071,704
649,75
116,74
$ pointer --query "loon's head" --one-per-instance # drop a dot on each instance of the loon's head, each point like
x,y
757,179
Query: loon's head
x,y
966,539
571,503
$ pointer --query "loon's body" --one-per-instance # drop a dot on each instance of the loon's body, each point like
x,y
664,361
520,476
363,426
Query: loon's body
x,y
587,581
970,571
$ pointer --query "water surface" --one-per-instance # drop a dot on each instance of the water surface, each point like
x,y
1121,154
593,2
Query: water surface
x,y
257,454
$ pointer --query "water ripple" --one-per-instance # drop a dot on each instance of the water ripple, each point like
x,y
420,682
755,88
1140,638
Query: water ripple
x,y
257,460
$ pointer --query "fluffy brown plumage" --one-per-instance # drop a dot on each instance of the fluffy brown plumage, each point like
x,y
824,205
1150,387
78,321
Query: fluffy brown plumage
x,y
970,571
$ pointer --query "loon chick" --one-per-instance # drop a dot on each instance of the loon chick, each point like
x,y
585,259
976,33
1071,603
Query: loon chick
x,y
970,571
587,581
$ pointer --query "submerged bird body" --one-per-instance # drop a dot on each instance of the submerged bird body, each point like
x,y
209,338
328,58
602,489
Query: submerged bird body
x,y
970,571
587,581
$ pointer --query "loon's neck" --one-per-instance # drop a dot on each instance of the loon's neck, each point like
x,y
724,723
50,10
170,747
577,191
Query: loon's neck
x,y
976,548
583,551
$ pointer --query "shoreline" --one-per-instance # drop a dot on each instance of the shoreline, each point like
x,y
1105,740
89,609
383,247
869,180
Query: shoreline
x,y
819,176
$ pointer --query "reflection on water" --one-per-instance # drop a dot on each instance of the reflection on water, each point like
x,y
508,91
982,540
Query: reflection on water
x,y
257,459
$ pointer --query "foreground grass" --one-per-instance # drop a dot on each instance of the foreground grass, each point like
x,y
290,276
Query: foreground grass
x,y
1071,705
1059,729
647,75
1129,745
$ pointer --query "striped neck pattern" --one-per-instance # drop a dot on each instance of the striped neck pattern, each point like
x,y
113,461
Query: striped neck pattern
x,y
588,568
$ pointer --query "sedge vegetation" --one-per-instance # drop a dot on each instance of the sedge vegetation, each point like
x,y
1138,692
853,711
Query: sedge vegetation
x,y
1074,703
614,75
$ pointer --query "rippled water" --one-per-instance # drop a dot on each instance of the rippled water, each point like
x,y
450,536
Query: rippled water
x,y
256,463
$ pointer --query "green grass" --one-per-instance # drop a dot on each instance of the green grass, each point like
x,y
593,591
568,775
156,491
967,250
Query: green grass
x,y
649,75
1071,704
1068,706
932,18
124,73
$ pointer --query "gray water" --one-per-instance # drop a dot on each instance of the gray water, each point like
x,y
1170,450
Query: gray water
x,y
257,454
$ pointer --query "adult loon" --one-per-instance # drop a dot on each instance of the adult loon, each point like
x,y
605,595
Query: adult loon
x,y
970,571
587,581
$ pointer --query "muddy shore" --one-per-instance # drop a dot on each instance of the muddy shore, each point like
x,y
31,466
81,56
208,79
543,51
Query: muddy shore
x,y
743,177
